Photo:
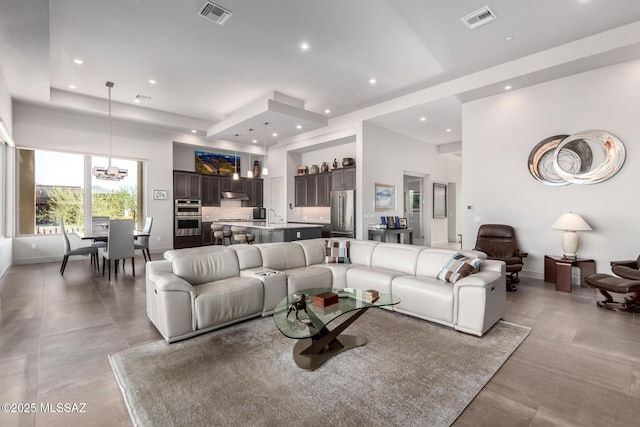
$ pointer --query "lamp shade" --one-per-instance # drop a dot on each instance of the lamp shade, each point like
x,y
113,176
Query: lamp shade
x,y
570,241
571,221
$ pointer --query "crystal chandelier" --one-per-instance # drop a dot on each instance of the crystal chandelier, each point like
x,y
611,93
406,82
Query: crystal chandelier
x,y
110,173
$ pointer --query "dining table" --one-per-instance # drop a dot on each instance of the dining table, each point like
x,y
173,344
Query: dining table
x,y
103,236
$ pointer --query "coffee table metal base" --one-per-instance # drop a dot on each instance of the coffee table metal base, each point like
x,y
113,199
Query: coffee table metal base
x,y
310,353
306,356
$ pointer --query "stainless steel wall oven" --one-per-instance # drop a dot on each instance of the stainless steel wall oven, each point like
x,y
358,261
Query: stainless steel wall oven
x,y
188,217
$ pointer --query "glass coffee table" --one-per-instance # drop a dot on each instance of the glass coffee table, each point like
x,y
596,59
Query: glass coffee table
x,y
316,343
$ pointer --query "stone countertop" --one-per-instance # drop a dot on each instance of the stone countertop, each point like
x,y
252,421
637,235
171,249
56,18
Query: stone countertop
x,y
273,226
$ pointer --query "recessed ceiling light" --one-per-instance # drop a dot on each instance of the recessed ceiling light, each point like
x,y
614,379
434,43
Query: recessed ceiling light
x,y
193,131
509,38
304,46
255,141
78,61
274,134
327,111
423,119
136,100
72,86
372,81
448,130
298,126
152,82
507,87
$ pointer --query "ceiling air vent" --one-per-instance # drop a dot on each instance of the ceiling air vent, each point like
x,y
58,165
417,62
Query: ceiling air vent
x,y
142,98
479,17
214,12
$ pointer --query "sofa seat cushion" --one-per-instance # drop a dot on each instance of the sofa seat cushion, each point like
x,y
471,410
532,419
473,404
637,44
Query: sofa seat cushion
x,y
371,278
307,277
425,297
224,301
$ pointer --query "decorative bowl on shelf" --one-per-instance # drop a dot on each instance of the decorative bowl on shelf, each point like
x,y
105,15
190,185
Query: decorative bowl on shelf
x,y
348,161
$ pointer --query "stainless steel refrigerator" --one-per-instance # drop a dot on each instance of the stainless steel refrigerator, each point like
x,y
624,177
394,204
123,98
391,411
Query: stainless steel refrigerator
x,y
343,213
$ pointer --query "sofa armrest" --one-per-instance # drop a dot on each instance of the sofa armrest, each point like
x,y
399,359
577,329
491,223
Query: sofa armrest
x,y
481,279
171,282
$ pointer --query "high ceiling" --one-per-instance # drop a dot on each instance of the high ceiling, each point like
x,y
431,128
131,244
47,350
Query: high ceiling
x,y
206,72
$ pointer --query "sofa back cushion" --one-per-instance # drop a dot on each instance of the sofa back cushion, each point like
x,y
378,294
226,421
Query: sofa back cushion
x,y
361,251
393,256
206,267
313,250
187,252
282,256
248,256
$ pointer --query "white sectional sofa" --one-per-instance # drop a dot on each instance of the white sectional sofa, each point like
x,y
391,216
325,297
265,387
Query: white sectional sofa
x,y
196,290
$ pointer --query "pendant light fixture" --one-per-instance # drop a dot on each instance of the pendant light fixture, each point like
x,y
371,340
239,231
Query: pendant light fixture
x,y
265,171
250,169
236,175
110,173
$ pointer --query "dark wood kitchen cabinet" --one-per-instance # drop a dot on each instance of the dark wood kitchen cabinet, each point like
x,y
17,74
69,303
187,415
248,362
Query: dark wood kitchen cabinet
x,y
227,183
343,178
207,235
313,190
254,189
210,190
323,189
187,185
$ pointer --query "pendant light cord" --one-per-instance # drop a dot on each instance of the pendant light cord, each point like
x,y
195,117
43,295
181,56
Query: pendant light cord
x,y
109,85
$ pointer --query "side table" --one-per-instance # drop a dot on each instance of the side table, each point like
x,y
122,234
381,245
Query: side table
x,y
398,233
558,270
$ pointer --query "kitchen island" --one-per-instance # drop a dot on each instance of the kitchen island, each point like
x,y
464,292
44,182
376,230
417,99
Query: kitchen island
x,y
277,232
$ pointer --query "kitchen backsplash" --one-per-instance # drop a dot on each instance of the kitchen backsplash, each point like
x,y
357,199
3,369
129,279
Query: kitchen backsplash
x,y
232,209
312,214
229,209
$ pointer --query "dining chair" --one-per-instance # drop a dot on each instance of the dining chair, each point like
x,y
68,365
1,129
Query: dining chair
x,y
119,245
98,225
85,250
143,241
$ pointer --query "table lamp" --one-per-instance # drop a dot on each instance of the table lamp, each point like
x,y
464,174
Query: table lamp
x,y
570,223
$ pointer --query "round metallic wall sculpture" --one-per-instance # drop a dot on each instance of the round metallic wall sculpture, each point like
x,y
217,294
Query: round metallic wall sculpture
x,y
562,159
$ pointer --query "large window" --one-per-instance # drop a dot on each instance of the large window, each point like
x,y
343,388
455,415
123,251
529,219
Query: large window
x,y
54,185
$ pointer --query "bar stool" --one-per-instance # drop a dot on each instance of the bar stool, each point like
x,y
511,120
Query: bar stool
x,y
240,235
218,234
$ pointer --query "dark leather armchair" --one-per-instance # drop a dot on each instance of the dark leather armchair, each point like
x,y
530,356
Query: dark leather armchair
x,y
627,283
499,242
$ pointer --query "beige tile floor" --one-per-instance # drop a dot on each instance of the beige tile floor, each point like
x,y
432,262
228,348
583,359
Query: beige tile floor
x,y
580,365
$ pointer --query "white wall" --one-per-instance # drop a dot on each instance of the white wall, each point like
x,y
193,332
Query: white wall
x,y
498,134
6,244
386,156
49,129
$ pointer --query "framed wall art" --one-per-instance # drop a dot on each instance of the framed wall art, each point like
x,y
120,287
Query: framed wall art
x,y
160,194
216,164
385,197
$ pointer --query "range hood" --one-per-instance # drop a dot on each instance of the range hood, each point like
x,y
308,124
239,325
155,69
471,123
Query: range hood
x,y
232,195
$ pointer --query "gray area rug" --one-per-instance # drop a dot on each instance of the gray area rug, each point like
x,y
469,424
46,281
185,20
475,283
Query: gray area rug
x,y
410,372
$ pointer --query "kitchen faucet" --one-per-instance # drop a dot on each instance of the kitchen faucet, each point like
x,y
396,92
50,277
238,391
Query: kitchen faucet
x,y
269,215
